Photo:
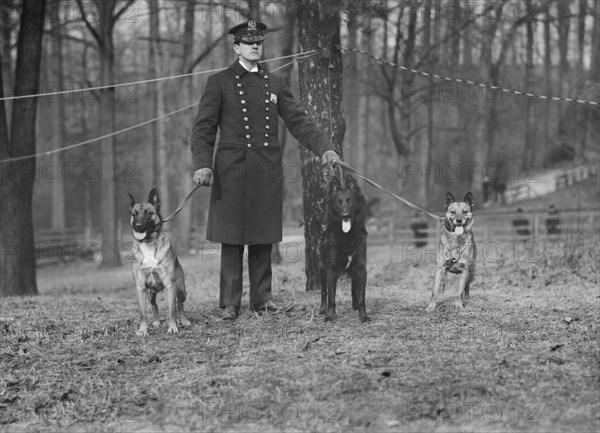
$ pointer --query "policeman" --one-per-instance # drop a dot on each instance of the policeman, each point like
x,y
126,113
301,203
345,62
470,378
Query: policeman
x,y
243,103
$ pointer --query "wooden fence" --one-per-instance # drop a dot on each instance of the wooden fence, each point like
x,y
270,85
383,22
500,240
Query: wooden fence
x,y
76,244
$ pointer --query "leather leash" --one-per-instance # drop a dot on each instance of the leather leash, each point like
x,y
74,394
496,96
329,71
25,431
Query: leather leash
x,y
379,187
183,204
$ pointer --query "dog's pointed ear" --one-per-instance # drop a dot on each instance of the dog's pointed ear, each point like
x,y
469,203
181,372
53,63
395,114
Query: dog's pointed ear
x,y
469,199
153,199
351,183
449,199
131,202
334,185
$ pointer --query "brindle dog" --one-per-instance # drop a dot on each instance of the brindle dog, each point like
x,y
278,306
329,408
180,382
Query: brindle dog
x,y
343,246
456,251
155,266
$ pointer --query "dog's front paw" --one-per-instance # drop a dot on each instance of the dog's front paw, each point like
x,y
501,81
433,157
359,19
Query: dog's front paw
x,y
142,331
185,322
430,308
330,317
172,329
156,324
458,304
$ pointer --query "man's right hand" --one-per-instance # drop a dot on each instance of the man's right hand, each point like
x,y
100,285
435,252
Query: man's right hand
x,y
203,176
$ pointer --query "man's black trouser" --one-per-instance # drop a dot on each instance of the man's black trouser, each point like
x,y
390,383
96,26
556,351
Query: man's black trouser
x,y
259,270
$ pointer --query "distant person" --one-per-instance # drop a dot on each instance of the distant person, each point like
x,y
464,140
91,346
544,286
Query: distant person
x,y
499,192
552,221
419,228
486,187
521,224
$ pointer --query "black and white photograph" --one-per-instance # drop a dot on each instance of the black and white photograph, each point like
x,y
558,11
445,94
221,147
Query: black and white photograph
x,y
299,216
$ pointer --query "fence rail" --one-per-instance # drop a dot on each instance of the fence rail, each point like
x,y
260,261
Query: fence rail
x,y
492,228
52,247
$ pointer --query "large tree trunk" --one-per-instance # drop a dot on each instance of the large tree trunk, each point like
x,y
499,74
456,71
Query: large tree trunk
x,y
17,259
59,125
453,17
107,120
563,24
321,97
547,72
529,145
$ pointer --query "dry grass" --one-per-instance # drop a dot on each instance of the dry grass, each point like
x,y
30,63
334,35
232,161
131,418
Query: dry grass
x,y
523,355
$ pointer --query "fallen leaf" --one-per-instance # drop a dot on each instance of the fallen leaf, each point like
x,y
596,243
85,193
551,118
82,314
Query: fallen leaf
x,y
307,345
556,347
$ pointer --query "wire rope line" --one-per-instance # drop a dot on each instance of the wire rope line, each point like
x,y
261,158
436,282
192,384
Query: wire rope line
x,y
150,80
469,82
305,56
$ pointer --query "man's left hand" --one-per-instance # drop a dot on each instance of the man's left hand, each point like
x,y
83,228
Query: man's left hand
x,y
330,156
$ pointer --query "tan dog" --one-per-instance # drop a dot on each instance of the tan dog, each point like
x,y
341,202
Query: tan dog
x,y
456,251
155,266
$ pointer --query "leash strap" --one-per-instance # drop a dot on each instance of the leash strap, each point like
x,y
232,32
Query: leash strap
x,y
339,162
182,205
376,185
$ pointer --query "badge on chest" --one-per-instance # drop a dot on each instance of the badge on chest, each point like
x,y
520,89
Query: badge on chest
x,y
273,98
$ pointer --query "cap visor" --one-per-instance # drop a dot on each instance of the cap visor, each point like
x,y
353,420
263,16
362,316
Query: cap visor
x,y
254,38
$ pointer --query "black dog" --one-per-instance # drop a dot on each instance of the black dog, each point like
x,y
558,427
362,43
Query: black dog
x,y
344,246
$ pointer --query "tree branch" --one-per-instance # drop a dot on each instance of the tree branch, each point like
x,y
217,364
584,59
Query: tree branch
x,y
123,9
91,28
206,52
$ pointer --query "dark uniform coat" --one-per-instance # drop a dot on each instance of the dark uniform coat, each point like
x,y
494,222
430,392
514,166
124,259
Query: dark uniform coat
x,y
246,197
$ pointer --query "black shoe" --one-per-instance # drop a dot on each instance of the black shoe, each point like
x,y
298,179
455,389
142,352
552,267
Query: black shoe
x,y
272,307
230,312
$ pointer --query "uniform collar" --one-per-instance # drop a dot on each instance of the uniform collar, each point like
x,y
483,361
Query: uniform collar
x,y
253,69
239,70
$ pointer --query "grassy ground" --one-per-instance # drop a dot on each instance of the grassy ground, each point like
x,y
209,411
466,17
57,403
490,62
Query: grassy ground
x,y
522,356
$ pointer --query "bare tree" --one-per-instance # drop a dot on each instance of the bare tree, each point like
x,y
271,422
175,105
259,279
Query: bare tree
x,y
102,32
17,264
494,67
529,144
429,144
547,68
59,120
184,224
159,145
321,96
